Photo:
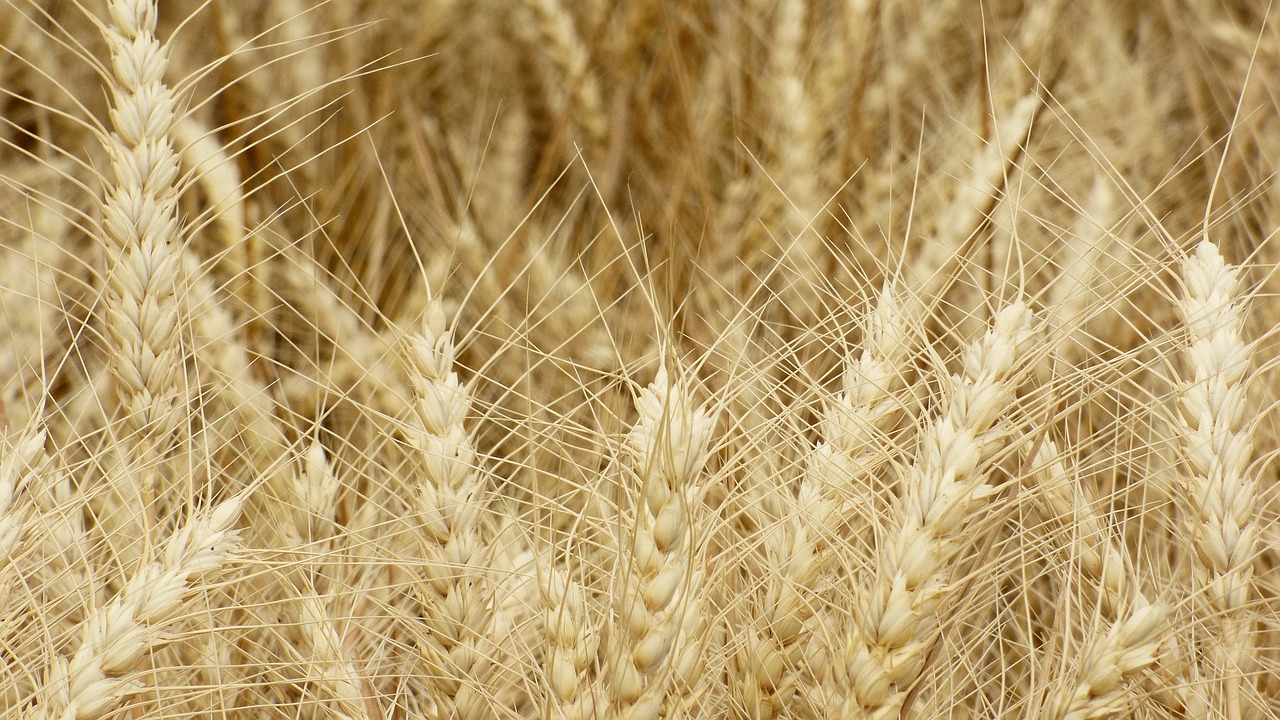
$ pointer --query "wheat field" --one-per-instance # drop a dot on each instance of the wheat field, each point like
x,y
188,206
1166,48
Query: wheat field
x,y
570,359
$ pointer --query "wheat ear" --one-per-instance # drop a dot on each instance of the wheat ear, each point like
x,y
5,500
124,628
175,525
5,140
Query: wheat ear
x,y
456,595
114,637
940,493
1107,662
797,139
564,46
771,640
143,236
974,201
312,503
17,462
1221,493
842,492
668,447
1079,534
858,424
574,642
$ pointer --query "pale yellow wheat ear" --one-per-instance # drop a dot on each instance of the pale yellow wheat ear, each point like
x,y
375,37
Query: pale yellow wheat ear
x,y
574,641
113,638
896,621
655,591
1107,663
454,533
141,233
1221,492
17,465
577,86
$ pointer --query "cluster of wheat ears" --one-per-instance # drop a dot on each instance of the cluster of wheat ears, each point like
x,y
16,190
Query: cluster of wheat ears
x,y
575,359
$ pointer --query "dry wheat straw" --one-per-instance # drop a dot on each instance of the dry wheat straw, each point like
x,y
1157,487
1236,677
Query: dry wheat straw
x,y
1221,493
801,565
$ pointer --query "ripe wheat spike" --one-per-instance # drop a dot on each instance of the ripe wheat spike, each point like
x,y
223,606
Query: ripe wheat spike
x,y
560,360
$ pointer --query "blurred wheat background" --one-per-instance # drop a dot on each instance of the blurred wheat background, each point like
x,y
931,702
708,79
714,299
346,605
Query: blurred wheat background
x,y
587,359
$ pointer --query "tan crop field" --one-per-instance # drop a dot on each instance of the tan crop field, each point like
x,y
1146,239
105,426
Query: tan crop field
x,y
572,359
